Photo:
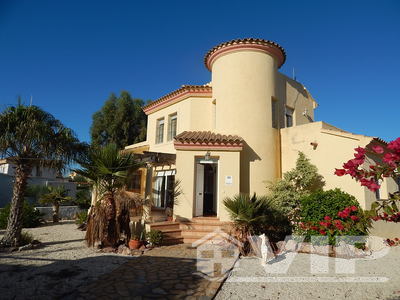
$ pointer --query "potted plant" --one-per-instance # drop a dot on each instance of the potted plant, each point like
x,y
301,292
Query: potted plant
x,y
135,242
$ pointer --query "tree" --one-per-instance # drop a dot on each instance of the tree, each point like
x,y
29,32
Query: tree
x,y
386,165
54,195
296,183
107,168
120,121
32,137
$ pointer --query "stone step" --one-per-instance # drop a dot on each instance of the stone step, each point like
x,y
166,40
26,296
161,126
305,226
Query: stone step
x,y
200,226
166,225
173,233
189,239
196,232
172,241
205,219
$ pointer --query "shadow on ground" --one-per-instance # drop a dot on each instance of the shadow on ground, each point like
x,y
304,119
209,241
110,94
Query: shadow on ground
x,y
57,280
142,277
153,277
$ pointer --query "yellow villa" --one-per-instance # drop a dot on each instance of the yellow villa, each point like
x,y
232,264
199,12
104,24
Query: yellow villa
x,y
233,135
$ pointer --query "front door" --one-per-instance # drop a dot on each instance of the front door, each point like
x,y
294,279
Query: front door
x,y
206,188
199,189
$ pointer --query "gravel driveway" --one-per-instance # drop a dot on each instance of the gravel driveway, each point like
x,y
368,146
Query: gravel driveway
x,y
262,285
56,270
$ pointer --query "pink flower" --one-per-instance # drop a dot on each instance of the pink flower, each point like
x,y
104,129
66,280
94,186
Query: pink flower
x,y
354,218
340,172
370,184
377,149
354,208
327,218
391,158
323,232
360,150
395,145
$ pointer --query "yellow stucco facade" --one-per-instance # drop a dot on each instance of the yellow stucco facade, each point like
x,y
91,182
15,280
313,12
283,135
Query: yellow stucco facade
x,y
271,113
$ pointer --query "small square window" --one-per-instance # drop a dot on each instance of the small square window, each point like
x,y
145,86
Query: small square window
x,y
289,117
172,126
160,131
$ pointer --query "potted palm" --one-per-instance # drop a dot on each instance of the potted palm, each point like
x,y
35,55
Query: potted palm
x,y
135,242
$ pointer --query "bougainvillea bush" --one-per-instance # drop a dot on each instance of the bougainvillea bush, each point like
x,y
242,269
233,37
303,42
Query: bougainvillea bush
x,y
371,174
331,213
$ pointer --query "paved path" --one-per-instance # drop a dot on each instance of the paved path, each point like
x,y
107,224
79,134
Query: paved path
x,y
164,273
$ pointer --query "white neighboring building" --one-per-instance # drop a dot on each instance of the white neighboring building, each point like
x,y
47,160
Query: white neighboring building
x,y
38,176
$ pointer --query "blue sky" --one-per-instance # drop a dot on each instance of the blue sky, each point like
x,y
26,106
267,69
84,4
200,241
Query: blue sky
x,y
70,55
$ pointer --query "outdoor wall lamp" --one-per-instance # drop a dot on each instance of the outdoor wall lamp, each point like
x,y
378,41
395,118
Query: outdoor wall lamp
x,y
207,156
314,144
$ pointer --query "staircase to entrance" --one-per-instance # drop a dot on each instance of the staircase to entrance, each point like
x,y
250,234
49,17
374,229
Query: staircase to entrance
x,y
188,232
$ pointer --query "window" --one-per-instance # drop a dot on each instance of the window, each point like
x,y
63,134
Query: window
x,y
172,126
289,117
134,183
163,189
38,171
160,131
274,109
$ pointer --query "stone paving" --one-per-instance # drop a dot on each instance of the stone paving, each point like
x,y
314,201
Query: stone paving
x,y
164,273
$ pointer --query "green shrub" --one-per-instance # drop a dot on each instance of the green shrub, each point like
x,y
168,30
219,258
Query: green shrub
x,y
296,183
26,238
30,216
317,205
81,217
331,213
155,237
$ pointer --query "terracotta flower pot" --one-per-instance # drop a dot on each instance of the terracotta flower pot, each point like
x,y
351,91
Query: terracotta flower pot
x,y
135,244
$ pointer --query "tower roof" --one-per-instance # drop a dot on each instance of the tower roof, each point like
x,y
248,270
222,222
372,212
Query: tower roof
x,y
242,44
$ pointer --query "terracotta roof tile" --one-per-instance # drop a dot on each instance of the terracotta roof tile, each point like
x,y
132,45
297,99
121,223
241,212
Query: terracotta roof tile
x,y
207,137
249,41
182,90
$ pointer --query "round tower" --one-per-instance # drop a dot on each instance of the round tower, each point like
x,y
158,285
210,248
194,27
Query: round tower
x,y
244,81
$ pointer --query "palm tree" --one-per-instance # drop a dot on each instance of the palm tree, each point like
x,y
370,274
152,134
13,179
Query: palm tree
x,y
32,137
54,195
107,168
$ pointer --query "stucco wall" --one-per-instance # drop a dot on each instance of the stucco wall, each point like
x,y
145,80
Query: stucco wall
x,y
6,186
243,86
293,94
228,165
332,151
194,113
65,212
